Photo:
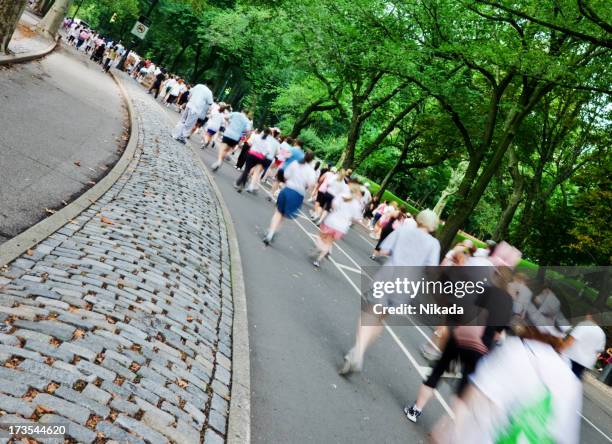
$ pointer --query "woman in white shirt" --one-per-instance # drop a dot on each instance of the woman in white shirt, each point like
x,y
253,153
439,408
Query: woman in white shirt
x,y
406,247
346,209
299,178
215,121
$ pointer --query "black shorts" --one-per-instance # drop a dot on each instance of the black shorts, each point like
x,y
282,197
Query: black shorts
x,y
325,200
265,162
222,129
280,176
172,99
229,142
200,123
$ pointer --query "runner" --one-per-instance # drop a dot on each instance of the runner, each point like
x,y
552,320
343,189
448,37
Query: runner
x,y
200,99
406,246
177,88
396,219
255,158
239,123
299,177
346,209
521,392
583,344
216,119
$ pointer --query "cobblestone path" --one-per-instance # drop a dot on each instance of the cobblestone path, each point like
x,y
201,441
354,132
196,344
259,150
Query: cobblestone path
x,y
119,324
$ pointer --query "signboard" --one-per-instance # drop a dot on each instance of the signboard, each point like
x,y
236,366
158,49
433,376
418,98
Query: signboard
x,y
140,30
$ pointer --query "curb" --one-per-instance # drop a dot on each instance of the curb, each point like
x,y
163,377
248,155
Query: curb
x,y
28,57
239,421
18,245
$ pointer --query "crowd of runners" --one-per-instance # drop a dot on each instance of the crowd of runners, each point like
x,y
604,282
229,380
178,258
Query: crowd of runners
x,y
520,368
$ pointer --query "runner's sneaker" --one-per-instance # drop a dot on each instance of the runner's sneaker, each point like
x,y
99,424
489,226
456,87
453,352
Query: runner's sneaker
x,y
316,264
412,413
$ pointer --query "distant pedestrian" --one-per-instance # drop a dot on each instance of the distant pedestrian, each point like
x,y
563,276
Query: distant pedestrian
x,y
200,99
156,86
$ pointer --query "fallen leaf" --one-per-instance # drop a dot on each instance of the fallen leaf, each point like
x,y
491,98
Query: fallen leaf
x,y
135,366
91,182
189,318
181,383
52,387
77,163
78,333
49,211
41,409
106,220
29,252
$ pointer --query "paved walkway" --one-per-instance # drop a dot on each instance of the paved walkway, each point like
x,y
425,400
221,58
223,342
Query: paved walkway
x,y
25,40
62,123
119,324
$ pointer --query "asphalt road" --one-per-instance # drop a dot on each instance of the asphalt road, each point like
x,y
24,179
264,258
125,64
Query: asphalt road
x,y
56,111
302,320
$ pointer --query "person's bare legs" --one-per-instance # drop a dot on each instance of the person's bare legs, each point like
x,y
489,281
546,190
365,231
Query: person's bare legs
x,y
223,150
369,329
255,178
425,394
277,218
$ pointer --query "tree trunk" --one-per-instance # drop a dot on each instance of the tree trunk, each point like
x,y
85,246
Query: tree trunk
x,y
502,228
456,178
393,171
51,22
178,57
10,12
348,155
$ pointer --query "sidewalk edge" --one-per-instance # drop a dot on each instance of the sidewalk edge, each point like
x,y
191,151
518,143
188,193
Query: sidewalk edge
x,y
239,421
15,247
28,57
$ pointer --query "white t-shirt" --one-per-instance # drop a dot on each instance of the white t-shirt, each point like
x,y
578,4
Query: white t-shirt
x,y
200,99
284,151
299,177
261,145
516,377
589,339
215,120
338,187
273,148
411,246
343,214
521,294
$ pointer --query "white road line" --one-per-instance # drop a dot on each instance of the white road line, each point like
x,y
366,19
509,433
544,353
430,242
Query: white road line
x,y
595,427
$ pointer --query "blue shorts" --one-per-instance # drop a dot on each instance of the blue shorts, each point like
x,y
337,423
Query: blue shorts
x,y
289,202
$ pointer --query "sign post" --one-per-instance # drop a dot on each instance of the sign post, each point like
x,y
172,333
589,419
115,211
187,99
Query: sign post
x,y
140,30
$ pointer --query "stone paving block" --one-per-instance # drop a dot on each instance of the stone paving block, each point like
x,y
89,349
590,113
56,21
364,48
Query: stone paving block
x,y
49,373
111,431
140,429
78,432
11,404
212,437
78,350
124,406
89,368
47,349
51,328
68,409
78,398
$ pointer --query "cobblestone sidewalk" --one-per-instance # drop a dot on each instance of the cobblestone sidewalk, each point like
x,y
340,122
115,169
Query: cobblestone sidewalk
x,y
119,324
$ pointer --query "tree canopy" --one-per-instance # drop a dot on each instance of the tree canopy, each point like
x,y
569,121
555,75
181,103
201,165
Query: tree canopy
x,y
509,99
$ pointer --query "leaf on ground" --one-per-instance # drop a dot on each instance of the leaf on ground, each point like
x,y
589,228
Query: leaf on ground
x,y
49,211
91,182
135,366
77,163
189,318
55,342
120,283
106,220
30,252
41,409
181,383
52,387
78,333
